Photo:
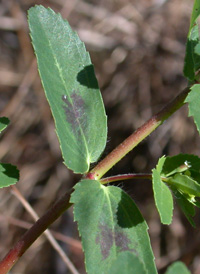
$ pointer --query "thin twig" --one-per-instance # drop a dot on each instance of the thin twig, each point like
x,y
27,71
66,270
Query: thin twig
x,y
26,225
129,176
34,232
47,233
22,90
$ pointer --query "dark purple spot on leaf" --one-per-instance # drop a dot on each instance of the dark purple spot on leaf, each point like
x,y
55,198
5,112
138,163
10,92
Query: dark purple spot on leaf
x,y
74,110
122,241
108,237
105,239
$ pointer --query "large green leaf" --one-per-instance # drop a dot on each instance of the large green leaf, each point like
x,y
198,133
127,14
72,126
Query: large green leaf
x,y
127,263
177,268
162,194
192,59
4,121
193,99
109,223
71,88
9,175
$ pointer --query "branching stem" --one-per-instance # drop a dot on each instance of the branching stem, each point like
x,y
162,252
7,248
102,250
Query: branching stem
x,y
140,134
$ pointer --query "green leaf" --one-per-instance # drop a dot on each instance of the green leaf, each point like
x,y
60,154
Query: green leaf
x,y
182,174
195,13
71,88
193,99
177,268
185,184
127,263
9,175
162,194
180,163
192,59
4,122
109,224
186,206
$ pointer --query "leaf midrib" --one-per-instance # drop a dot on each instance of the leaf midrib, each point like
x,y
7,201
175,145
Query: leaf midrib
x,y
64,84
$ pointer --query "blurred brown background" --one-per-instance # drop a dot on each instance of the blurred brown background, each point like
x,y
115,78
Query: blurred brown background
x,y
137,48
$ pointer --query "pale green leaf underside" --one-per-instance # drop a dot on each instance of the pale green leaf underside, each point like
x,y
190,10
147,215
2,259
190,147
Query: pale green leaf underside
x,y
109,224
192,59
4,121
71,88
9,175
127,263
177,268
193,100
162,195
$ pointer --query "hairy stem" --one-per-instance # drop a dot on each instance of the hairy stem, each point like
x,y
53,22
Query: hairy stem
x,y
140,134
129,176
34,232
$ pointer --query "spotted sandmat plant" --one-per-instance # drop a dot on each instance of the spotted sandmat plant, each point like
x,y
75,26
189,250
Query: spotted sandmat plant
x,y
113,232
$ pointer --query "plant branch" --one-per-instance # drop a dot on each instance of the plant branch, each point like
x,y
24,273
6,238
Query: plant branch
x,y
34,232
47,232
140,134
76,244
129,176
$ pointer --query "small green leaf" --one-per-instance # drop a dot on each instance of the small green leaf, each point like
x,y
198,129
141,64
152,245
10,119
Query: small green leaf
x,y
9,175
185,184
71,88
192,59
195,13
193,99
186,206
182,173
177,268
109,224
127,263
4,122
162,194
181,163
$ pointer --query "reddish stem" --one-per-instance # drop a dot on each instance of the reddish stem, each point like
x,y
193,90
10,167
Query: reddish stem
x,y
126,177
34,232
140,134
